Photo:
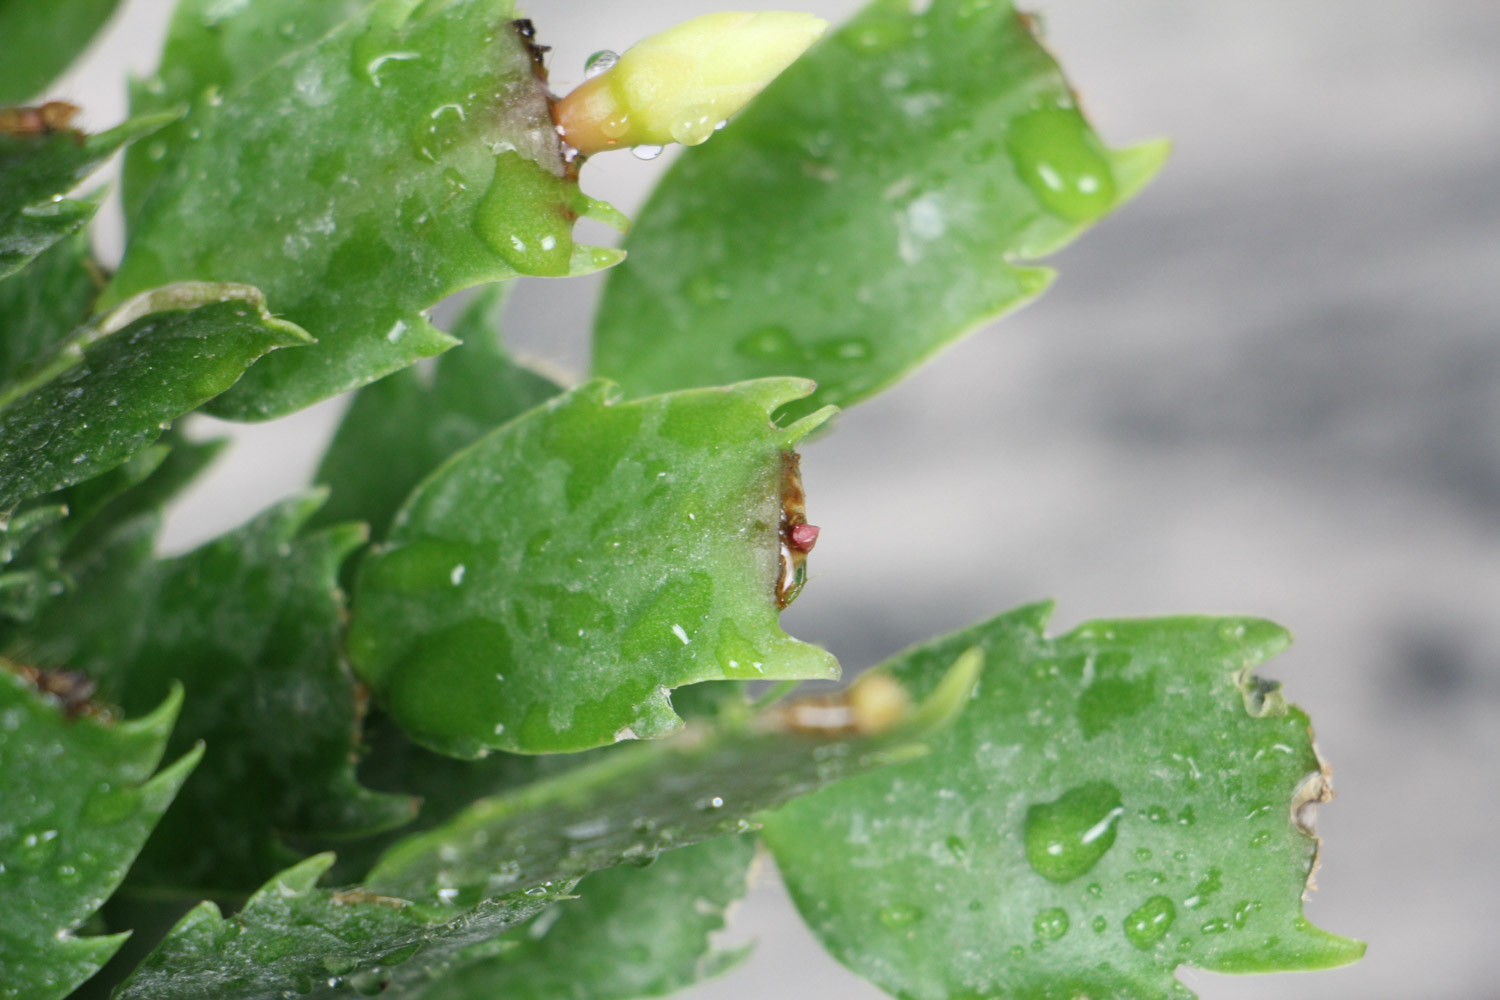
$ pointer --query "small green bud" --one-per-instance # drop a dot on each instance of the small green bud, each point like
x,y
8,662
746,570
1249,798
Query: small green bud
x,y
678,85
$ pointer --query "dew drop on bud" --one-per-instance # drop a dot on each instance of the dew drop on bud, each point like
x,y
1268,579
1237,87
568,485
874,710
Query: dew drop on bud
x,y
599,62
646,152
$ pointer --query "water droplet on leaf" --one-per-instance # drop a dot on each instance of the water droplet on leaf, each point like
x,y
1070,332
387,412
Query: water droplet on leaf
x,y
1148,923
1066,838
1051,924
1060,159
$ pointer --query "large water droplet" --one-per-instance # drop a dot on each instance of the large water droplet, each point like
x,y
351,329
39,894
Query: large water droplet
x,y
695,125
525,217
645,152
1060,159
1052,923
1066,838
1149,922
599,62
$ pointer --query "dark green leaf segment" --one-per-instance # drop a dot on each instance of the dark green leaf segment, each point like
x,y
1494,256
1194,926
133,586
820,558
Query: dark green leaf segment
x,y
436,901
1115,802
110,388
39,166
250,624
546,588
77,799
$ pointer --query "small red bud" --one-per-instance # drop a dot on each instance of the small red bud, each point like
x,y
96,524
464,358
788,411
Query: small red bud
x,y
803,537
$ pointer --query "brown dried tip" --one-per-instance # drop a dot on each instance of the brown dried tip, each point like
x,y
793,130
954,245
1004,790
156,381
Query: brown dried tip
x,y
54,116
72,689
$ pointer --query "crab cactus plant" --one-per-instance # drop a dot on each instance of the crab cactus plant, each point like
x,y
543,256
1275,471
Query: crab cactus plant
x,y
500,705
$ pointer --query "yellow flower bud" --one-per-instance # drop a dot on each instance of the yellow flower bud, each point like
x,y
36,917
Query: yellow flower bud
x,y
678,85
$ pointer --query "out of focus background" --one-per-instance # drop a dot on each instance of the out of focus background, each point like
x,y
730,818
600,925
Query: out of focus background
x,y
1271,385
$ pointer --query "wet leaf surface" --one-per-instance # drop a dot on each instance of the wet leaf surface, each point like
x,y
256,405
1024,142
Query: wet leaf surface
x,y
548,586
452,178
1116,802
868,210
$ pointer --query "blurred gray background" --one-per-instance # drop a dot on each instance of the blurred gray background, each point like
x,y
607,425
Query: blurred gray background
x,y
1271,385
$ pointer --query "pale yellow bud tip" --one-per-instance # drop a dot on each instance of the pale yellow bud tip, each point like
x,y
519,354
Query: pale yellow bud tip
x,y
679,85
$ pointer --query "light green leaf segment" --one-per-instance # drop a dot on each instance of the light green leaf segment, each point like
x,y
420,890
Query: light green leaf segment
x,y
870,208
108,389
77,799
545,589
39,38
405,156
38,170
436,901
251,625
1116,802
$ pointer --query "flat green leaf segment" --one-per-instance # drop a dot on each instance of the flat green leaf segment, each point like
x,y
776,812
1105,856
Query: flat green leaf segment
x,y
406,156
402,427
545,589
213,48
1116,802
633,802
37,169
632,932
40,38
295,939
77,799
439,900
250,624
883,187
107,390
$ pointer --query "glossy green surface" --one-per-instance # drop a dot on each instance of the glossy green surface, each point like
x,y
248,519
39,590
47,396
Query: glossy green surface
x,y
1115,802
250,625
403,427
109,389
875,204
633,932
360,181
546,588
213,48
633,802
39,38
36,174
77,799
